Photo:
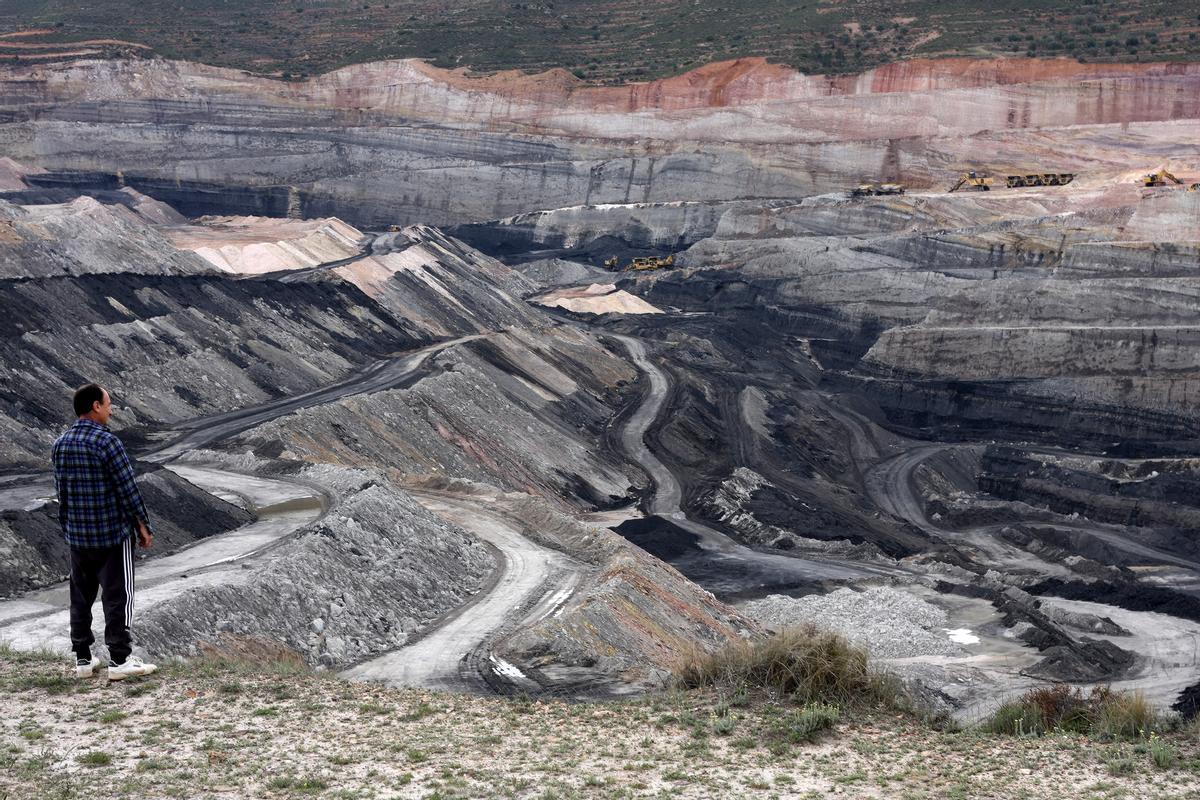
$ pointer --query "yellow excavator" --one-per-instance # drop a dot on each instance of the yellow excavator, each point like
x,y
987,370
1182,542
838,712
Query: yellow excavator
x,y
1159,178
973,181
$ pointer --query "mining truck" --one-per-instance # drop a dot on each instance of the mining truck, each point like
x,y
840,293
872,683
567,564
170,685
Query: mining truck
x,y
1039,179
1159,178
876,189
973,181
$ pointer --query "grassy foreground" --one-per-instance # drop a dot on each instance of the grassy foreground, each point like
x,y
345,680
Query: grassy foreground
x,y
222,730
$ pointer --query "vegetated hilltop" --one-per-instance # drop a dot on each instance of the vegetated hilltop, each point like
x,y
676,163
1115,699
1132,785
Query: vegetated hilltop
x,y
614,40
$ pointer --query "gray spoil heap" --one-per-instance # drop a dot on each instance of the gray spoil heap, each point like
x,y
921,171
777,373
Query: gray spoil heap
x,y
373,571
517,410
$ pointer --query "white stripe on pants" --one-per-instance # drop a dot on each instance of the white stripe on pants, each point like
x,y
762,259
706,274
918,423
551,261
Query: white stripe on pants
x,y
129,583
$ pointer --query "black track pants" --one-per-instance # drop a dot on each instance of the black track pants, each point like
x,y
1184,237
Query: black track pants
x,y
110,569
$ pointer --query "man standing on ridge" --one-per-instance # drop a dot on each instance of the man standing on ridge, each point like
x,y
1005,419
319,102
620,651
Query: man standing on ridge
x,y
100,508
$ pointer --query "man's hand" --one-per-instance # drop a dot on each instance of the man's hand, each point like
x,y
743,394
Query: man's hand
x,y
144,537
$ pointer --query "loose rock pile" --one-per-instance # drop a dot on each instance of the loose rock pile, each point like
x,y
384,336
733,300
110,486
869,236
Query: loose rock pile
x,y
889,622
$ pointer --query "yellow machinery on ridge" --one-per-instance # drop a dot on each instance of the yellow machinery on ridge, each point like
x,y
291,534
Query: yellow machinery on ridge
x,y
982,182
1039,179
1159,178
650,262
973,181
640,264
875,189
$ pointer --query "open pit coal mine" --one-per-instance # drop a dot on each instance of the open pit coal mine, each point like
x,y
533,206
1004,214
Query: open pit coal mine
x,y
400,403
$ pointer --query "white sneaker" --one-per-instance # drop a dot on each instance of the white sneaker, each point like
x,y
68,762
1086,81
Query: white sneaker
x,y
132,668
86,669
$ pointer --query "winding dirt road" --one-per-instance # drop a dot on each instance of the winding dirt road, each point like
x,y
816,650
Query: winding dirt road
x,y
891,484
1168,648
724,556
283,507
530,582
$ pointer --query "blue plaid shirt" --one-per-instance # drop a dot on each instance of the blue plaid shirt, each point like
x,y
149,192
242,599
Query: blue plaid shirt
x,y
99,502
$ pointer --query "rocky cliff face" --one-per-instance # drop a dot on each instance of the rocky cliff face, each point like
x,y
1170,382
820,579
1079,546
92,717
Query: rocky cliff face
x,y
358,142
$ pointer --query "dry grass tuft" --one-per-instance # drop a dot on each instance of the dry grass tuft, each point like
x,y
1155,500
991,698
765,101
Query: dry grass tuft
x,y
807,664
244,655
1102,712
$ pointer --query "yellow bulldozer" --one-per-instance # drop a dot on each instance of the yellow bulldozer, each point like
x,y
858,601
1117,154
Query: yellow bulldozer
x,y
1039,179
876,189
1160,178
640,264
650,262
973,181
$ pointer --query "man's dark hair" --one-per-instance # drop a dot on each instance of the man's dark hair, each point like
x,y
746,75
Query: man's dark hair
x,y
86,395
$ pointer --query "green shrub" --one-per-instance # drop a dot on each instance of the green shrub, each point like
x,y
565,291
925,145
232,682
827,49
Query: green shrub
x,y
1123,714
1162,754
809,722
95,758
1016,719
293,783
723,726
1102,712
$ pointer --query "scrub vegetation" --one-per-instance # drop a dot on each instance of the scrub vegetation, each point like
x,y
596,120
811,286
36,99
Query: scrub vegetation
x,y
608,41
183,734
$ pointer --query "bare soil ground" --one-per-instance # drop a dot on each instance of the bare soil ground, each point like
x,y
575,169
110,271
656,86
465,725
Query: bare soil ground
x,y
206,730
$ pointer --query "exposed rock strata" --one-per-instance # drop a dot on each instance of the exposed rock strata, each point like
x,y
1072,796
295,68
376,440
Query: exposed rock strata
x,y
172,348
358,143
1023,306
